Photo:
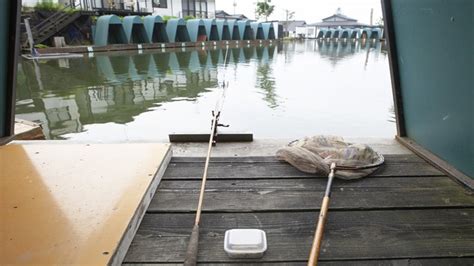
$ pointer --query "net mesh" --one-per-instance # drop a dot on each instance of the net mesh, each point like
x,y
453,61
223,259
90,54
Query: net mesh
x,y
315,154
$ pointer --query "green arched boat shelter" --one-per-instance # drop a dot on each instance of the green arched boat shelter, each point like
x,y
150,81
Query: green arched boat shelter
x,y
355,34
345,33
177,31
376,33
211,29
196,30
366,32
268,31
245,30
257,30
155,29
234,29
223,30
334,33
321,33
135,30
109,30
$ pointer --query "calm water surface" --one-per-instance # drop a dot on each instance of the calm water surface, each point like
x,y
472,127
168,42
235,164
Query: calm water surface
x,y
287,90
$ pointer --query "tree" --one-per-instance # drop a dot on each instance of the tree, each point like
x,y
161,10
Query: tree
x,y
264,9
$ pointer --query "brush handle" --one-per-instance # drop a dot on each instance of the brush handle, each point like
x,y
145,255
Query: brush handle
x,y
318,235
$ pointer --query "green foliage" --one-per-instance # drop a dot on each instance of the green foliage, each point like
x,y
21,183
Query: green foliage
x,y
41,46
188,18
379,22
48,5
264,9
166,18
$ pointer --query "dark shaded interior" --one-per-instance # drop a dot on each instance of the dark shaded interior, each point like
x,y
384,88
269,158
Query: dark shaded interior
x,y
336,34
138,34
182,34
327,35
374,35
345,34
354,34
214,35
225,33
247,33
235,33
202,34
116,34
271,34
159,33
260,35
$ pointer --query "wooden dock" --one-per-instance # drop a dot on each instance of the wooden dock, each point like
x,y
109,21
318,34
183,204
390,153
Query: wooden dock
x,y
407,213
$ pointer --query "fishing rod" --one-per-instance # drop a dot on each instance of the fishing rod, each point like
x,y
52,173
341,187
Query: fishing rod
x,y
192,250
318,235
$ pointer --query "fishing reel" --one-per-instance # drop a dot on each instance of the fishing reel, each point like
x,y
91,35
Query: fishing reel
x,y
216,117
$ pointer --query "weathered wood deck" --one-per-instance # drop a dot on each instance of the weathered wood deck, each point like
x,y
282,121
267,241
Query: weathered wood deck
x,y
406,213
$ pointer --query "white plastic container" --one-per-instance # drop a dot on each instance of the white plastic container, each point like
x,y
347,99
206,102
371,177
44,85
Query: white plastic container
x,y
245,243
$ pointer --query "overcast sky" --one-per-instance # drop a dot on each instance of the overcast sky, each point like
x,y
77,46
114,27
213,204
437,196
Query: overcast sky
x,y
309,10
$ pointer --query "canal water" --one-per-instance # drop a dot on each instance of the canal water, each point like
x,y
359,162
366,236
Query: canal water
x,y
286,90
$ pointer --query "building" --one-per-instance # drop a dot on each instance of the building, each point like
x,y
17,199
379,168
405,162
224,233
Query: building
x,y
289,27
338,20
224,15
183,8
175,8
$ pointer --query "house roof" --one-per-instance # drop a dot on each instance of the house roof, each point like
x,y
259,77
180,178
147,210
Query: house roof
x,y
223,14
335,17
292,24
338,24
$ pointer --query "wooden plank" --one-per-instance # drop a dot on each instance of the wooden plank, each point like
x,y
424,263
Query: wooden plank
x,y
349,235
394,262
219,170
389,158
306,194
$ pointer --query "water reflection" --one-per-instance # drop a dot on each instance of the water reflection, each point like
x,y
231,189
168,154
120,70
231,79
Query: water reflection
x,y
70,96
122,87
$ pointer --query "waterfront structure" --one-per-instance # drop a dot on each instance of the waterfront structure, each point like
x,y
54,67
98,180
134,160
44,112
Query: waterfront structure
x,y
338,20
339,26
135,30
223,29
177,30
109,30
289,27
196,30
156,29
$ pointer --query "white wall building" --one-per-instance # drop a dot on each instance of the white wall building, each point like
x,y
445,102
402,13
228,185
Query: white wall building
x,y
176,8
183,8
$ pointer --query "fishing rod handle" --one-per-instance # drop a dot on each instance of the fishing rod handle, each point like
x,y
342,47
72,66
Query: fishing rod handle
x,y
318,235
190,258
